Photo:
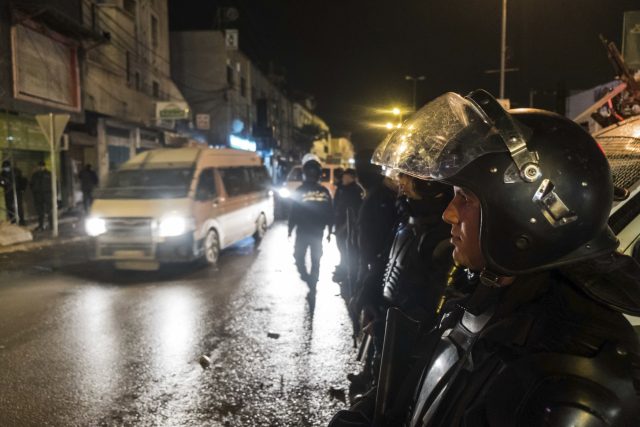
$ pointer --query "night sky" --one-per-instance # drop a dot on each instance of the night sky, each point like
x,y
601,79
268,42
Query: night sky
x,y
352,56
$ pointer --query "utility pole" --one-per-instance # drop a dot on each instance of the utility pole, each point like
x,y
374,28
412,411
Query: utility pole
x,y
503,48
415,86
52,126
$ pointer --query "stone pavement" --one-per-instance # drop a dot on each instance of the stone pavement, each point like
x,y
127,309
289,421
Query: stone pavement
x,y
14,238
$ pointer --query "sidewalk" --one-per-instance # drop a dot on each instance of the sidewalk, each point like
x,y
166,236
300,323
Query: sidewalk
x,y
70,229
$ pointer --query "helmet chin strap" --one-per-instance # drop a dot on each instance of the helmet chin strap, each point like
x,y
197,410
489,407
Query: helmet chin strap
x,y
492,280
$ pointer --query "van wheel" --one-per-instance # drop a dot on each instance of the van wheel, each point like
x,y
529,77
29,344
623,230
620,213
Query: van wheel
x,y
212,247
261,228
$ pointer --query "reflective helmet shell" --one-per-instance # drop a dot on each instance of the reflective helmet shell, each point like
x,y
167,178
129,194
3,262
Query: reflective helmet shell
x,y
519,232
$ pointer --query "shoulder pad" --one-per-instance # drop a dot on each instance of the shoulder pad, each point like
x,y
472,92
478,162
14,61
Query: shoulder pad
x,y
612,280
551,389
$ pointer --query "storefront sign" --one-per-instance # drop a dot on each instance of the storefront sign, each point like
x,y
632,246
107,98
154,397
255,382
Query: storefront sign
x,y
172,110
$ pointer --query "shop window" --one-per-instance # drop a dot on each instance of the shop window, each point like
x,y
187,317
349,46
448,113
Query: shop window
x,y
230,75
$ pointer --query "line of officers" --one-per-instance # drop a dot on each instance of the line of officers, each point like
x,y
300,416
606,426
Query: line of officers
x,y
491,288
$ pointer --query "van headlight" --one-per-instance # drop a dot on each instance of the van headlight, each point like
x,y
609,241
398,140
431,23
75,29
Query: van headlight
x,y
284,192
171,226
95,226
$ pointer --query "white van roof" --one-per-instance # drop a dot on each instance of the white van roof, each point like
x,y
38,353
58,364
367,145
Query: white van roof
x,y
172,157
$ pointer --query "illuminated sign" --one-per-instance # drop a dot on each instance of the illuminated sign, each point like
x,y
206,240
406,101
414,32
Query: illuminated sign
x,y
241,143
172,110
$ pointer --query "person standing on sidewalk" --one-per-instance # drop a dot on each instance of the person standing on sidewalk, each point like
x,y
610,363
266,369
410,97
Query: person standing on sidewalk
x,y
347,205
88,182
41,190
311,212
12,180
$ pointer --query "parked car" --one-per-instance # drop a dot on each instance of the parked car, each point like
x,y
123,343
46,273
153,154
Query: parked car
x,y
621,145
180,204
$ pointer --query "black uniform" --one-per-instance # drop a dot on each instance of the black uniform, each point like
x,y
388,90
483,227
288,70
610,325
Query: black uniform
x,y
311,212
41,190
419,261
88,181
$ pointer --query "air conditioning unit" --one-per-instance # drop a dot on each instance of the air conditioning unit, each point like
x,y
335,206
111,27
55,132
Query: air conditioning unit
x,y
64,142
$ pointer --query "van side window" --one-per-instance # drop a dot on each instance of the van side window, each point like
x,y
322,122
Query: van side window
x,y
206,189
236,181
260,180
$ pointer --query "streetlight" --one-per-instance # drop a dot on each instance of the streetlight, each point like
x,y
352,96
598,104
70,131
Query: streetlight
x,y
389,125
396,111
503,47
415,83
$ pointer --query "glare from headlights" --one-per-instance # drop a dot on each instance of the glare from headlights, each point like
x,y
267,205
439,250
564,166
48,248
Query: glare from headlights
x,y
284,193
172,226
95,226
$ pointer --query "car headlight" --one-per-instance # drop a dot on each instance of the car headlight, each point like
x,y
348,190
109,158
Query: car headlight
x,y
171,226
95,226
284,193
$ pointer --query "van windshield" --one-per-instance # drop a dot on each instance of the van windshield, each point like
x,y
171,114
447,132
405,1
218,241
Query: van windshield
x,y
147,184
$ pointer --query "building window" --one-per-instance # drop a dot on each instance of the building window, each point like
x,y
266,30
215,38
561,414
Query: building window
x,y
230,75
243,86
127,61
130,6
137,80
154,32
156,89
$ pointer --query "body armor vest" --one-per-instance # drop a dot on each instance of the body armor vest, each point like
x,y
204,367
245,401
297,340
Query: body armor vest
x,y
483,371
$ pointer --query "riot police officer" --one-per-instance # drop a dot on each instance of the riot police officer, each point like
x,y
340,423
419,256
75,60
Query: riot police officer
x,y
311,212
542,339
420,255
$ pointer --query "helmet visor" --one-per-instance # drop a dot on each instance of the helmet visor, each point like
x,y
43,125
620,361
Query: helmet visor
x,y
439,139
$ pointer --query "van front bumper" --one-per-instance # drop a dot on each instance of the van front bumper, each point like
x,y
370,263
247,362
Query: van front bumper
x,y
171,249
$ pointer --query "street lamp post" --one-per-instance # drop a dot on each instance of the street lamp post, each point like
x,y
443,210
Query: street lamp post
x,y
503,47
415,84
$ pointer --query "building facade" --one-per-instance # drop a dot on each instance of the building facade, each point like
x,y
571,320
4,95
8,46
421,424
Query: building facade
x,y
234,102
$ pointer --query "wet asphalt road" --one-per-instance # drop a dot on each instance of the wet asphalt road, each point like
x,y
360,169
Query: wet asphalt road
x,y
83,345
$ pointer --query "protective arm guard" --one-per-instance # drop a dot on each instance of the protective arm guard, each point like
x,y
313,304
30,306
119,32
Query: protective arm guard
x,y
562,390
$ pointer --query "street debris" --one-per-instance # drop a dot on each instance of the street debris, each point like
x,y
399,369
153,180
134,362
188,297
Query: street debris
x,y
273,335
205,361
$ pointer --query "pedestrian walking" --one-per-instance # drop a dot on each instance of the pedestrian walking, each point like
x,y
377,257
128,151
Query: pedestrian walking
x,y
88,182
41,191
311,212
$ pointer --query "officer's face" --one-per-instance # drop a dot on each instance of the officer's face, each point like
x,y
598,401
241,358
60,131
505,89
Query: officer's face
x,y
347,179
463,213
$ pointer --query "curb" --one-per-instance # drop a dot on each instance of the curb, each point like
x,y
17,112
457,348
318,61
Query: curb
x,y
39,244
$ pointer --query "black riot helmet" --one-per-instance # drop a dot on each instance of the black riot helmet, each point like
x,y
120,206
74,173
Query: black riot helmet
x,y
543,183
312,171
